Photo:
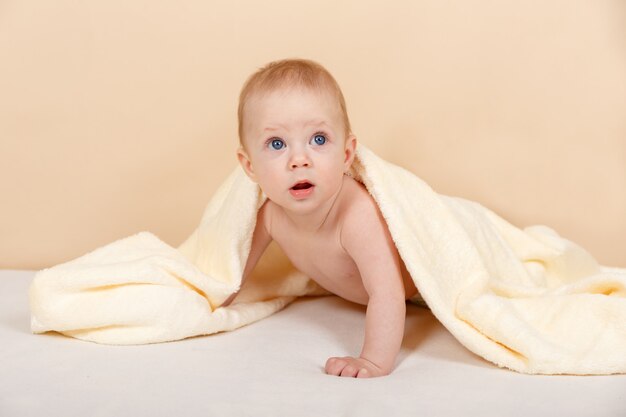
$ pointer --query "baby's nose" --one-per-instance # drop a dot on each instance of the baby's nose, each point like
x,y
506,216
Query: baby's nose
x,y
300,160
296,164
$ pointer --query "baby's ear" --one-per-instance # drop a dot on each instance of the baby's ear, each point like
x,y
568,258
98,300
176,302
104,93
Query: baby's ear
x,y
350,150
246,163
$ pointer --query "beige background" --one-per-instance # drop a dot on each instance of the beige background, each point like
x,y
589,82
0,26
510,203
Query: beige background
x,y
117,117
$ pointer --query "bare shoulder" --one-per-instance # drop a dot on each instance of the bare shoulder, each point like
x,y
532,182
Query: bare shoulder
x,y
358,198
362,221
366,239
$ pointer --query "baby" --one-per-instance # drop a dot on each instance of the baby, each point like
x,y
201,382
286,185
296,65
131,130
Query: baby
x,y
296,143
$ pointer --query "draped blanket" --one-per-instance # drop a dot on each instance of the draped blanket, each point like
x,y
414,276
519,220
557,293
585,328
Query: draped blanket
x,y
525,299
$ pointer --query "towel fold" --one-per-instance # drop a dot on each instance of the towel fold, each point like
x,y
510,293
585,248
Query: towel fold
x,y
525,299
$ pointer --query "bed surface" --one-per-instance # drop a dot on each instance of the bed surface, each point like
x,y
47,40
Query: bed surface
x,y
273,367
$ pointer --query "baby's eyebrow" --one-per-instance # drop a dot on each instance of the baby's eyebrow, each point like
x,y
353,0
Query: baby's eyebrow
x,y
314,122
272,128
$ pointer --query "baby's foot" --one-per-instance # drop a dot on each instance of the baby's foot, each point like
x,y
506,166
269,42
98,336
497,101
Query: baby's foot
x,y
353,367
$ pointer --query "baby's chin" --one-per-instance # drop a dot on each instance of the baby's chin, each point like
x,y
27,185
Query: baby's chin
x,y
299,207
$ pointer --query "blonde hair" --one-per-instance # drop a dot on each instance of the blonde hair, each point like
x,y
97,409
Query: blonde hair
x,y
290,73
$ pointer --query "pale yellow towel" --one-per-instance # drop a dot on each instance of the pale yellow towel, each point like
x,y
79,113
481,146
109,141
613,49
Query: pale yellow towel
x,y
528,300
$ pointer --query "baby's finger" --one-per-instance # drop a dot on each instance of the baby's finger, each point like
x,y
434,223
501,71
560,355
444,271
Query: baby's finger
x,y
349,371
364,373
334,366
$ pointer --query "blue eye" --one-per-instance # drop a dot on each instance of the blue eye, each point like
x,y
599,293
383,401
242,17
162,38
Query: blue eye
x,y
277,144
319,139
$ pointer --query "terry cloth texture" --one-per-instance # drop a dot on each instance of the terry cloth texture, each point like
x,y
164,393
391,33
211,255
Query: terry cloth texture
x,y
528,300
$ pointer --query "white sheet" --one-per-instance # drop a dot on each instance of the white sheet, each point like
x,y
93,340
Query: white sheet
x,y
52,375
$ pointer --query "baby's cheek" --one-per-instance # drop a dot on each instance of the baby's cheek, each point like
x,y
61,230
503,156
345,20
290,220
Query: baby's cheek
x,y
270,185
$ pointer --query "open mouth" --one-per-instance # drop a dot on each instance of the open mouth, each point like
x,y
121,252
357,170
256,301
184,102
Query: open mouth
x,y
302,185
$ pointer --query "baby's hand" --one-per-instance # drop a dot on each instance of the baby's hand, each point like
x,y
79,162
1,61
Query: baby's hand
x,y
353,367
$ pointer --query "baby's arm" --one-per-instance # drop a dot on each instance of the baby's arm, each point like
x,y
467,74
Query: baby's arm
x,y
367,240
261,239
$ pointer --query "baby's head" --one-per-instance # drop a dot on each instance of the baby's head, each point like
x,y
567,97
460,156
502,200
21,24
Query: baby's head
x,y
294,126
289,74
